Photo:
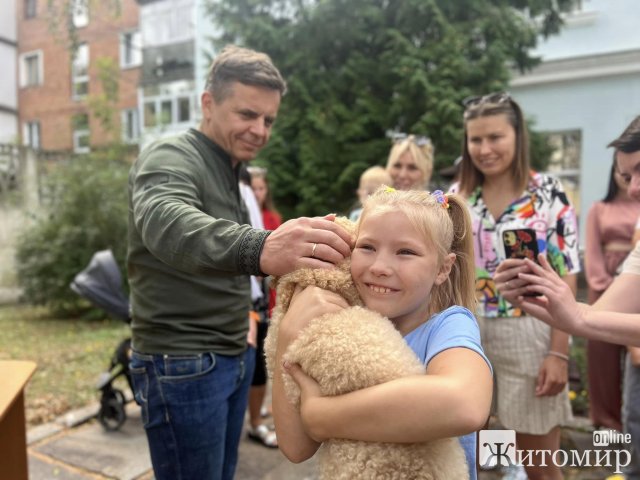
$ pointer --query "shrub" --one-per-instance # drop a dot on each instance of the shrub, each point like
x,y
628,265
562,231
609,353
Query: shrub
x,y
86,211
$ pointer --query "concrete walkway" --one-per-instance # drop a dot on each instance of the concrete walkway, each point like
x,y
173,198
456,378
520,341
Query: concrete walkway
x,y
76,447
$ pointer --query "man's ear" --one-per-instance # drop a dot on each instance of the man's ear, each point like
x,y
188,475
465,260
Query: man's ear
x,y
445,268
207,102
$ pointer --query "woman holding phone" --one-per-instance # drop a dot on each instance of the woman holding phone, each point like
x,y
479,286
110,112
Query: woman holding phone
x,y
530,359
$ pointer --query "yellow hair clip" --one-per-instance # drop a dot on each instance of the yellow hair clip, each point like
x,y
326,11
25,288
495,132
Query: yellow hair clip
x,y
389,189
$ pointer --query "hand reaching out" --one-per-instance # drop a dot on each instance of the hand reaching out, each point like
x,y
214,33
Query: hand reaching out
x,y
557,305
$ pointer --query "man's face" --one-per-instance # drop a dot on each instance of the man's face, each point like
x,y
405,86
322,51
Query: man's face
x,y
241,123
628,167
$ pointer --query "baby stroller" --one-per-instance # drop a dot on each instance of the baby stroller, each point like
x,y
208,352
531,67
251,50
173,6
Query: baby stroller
x,y
101,284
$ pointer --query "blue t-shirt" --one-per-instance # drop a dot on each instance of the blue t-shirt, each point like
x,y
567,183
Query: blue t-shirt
x,y
452,328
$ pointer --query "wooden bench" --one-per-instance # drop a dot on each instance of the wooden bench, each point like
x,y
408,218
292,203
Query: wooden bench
x,y
14,376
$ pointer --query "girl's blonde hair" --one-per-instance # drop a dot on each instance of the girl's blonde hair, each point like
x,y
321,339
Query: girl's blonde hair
x,y
422,154
445,223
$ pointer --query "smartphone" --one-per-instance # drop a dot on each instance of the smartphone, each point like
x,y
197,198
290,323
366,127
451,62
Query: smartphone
x,y
521,243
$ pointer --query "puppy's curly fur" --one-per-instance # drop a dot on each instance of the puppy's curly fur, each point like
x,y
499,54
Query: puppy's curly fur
x,y
348,351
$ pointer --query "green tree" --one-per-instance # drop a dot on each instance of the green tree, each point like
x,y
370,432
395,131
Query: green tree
x,y
358,68
86,212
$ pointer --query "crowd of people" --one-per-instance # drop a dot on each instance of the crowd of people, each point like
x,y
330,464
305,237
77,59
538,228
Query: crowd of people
x,y
492,332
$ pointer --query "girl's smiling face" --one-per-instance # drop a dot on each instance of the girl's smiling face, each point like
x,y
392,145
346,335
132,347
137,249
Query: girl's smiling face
x,y
394,269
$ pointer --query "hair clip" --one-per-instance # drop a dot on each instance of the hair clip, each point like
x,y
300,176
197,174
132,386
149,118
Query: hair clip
x,y
389,189
441,198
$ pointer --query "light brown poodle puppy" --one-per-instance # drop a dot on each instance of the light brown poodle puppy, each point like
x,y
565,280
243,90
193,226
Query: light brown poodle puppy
x,y
348,351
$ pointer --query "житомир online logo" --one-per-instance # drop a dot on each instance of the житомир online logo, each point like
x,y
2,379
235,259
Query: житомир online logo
x,y
498,448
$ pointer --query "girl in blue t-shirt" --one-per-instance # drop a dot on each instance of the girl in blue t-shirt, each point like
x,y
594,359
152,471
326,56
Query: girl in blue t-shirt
x,y
413,263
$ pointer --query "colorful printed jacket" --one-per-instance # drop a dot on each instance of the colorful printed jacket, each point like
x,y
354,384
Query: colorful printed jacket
x,y
544,208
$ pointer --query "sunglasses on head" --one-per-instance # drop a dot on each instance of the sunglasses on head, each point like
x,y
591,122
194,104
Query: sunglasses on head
x,y
419,140
496,97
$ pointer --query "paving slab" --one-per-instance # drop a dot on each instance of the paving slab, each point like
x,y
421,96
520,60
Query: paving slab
x,y
123,455
256,462
43,470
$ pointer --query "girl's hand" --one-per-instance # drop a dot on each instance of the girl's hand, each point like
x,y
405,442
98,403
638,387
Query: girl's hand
x,y
552,377
557,306
310,396
306,304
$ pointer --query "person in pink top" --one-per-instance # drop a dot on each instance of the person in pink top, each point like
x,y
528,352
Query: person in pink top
x,y
610,227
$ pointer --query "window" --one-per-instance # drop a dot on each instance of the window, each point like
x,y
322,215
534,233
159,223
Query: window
x,y
130,126
31,134
80,13
130,50
166,111
81,133
80,72
150,114
565,162
31,69
30,8
168,22
168,106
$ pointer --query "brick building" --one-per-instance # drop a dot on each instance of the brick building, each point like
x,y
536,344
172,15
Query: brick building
x,y
57,94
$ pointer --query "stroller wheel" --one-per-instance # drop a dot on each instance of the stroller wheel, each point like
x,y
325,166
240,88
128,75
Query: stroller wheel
x,y
112,414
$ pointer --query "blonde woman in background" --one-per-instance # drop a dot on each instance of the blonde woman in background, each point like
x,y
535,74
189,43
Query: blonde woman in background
x,y
410,162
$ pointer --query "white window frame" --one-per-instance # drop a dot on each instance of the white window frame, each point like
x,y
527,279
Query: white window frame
x,y
80,63
31,134
173,100
78,134
80,13
24,71
568,175
168,22
130,51
130,123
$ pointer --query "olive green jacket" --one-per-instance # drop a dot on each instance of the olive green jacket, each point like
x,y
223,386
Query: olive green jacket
x,y
190,249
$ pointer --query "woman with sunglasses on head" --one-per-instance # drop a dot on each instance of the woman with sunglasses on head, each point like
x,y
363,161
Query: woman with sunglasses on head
x,y
610,228
530,359
410,162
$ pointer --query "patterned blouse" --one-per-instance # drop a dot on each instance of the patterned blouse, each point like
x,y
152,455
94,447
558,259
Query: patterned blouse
x,y
544,208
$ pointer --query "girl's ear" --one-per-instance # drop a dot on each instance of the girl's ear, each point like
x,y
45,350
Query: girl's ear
x,y
445,268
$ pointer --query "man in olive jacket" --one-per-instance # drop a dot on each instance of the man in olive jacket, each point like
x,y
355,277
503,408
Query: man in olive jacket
x,y
191,251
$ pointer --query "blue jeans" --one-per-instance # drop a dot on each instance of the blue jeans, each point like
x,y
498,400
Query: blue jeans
x,y
193,410
631,416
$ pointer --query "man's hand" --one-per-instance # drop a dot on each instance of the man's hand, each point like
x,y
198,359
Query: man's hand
x,y
305,242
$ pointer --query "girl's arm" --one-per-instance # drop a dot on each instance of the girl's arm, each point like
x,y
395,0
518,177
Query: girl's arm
x,y
306,305
453,399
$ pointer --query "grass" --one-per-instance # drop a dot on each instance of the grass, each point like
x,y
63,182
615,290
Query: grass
x,y
70,354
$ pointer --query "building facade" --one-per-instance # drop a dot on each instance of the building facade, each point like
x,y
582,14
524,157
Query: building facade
x,y
8,81
64,100
584,93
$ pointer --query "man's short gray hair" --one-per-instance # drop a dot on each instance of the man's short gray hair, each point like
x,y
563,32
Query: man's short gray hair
x,y
237,64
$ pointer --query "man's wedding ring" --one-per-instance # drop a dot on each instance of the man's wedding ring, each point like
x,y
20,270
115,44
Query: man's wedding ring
x,y
313,250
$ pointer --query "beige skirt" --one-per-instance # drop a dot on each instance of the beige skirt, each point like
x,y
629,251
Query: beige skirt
x,y
516,347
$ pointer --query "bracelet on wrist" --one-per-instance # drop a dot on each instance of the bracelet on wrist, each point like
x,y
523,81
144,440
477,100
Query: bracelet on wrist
x,y
559,355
